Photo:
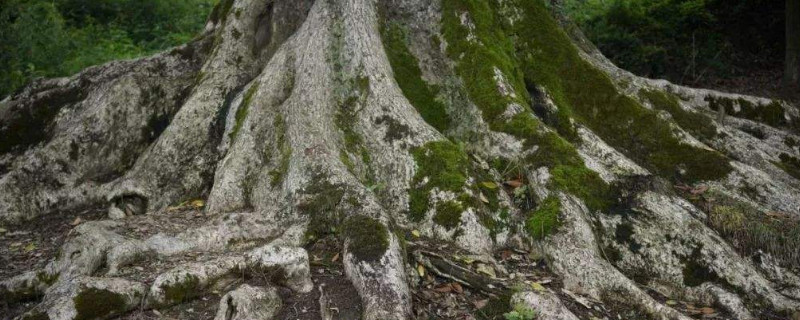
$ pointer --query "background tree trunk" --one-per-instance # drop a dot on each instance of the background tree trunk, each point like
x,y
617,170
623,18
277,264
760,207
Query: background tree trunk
x,y
792,66
362,153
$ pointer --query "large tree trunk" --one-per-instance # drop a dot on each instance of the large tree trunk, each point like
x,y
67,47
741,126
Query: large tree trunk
x,y
400,132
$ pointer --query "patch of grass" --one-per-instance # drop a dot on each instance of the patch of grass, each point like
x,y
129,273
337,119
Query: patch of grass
x,y
521,312
409,77
544,220
750,230
369,238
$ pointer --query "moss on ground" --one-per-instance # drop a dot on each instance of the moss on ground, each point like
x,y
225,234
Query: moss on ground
x,y
243,110
448,214
368,237
93,303
440,164
182,291
409,77
697,124
544,220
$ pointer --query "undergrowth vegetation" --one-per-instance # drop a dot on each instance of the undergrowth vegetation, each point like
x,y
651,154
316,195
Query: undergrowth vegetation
x,y
685,41
51,38
750,230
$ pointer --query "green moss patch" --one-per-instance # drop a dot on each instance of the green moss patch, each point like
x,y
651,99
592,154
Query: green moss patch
x,y
93,303
440,164
278,174
549,59
182,291
697,124
368,237
544,220
243,110
323,205
409,77
771,114
448,214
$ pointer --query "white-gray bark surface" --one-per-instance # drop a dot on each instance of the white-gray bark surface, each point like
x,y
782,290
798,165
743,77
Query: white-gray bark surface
x,y
412,148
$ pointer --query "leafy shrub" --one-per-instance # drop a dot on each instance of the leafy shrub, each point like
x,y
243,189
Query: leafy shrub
x,y
683,40
50,38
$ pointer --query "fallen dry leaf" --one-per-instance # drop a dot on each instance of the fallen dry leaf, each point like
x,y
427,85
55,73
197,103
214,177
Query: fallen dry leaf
x,y
479,304
699,190
445,288
457,287
335,257
514,183
707,310
421,270
76,222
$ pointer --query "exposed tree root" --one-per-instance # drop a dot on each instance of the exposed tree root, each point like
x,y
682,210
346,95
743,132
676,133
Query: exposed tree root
x,y
376,124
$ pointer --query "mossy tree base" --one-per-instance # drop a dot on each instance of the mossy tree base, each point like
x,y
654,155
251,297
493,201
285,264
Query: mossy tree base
x,y
473,122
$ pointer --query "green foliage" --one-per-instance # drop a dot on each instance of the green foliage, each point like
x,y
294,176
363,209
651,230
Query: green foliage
x,y
544,220
409,77
682,40
521,312
50,38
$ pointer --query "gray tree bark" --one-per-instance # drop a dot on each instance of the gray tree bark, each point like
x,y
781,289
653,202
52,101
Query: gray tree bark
x,y
483,124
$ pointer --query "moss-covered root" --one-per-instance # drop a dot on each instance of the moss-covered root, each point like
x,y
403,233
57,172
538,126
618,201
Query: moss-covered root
x,y
573,253
88,298
374,264
288,266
